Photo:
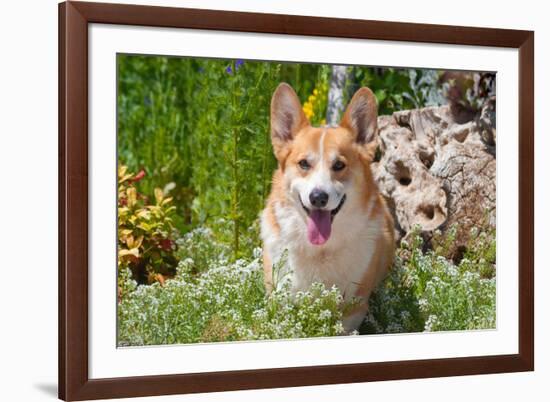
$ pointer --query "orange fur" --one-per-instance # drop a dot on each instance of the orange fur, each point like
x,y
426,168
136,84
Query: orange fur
x,y
359,249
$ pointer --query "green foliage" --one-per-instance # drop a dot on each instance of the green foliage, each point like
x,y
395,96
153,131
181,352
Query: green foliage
x,y
152,114
203,125
398,89
201,244
316,105
145,231
427,292
481,252
467,92
224,301
213,298
479,247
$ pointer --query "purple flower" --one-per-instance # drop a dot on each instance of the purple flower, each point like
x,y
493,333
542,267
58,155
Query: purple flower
x,y
238,64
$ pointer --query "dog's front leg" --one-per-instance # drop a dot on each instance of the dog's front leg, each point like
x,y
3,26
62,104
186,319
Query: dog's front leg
x,y
268,270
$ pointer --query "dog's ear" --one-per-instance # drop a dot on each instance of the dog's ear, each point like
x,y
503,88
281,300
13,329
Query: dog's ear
x,y
287,118
361,116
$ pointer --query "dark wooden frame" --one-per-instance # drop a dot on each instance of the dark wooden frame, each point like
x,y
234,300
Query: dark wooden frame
x,y
74,17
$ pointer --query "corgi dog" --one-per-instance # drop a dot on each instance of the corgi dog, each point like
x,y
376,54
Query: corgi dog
x,y
324,212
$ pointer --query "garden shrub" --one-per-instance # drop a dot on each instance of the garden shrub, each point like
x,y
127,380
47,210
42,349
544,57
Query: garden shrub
x,y
400,89
145,232
225,302
215,298
427,292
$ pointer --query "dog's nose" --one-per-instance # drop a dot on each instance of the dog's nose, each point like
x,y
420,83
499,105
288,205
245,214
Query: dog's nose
x,y
318,198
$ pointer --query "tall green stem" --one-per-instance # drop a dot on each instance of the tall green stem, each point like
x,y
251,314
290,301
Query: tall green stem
x,y
235,195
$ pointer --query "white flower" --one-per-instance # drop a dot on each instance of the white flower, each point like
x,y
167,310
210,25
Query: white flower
x,y
430,323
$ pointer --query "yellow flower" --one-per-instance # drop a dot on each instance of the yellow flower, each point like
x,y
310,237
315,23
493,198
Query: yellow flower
x,y
315,101
308,110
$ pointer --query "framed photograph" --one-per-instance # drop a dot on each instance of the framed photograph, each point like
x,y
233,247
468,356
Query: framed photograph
x,y
260,200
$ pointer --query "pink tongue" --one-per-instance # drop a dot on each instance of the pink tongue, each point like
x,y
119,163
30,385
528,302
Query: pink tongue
x,y
318,226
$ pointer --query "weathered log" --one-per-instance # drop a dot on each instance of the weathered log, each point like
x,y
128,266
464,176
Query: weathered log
x,y
436,172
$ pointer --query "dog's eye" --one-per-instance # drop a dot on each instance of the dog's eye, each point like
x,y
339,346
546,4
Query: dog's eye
x,y
338,165
304,164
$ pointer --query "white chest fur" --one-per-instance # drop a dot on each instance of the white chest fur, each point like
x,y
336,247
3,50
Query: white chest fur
x,y
342,261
